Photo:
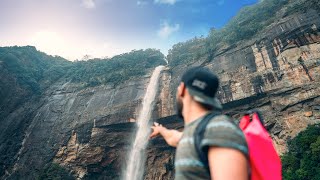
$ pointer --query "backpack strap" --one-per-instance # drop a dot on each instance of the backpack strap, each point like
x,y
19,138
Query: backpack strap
x,y
198,136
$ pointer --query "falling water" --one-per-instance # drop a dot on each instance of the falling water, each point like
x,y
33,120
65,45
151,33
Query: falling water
x,y
135,168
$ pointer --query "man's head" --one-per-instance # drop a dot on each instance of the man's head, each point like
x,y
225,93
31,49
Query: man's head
x,y
202,85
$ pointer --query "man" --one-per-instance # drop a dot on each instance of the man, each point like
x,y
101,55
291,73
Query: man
x,y
225,142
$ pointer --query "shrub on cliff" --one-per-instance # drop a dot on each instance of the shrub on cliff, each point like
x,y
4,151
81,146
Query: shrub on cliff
x,y
303,159
54,172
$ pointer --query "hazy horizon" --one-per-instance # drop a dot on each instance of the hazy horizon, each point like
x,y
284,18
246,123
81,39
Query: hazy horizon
x,y
104,28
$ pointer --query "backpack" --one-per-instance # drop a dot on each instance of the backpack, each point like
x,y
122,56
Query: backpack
x,y
265,163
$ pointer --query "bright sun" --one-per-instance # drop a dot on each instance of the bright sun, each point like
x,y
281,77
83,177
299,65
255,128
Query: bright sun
x,y
48,41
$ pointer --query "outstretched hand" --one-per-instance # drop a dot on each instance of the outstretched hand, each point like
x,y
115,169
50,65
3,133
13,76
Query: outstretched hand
x,y
156,130
171,136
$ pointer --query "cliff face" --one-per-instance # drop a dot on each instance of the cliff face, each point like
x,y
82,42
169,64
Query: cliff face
x,y
41,105
278,72
89,130
282,70
65,111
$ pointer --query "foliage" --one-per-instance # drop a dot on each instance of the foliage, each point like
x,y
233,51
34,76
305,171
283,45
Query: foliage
x,y
186,52
302,6
30,66
303,159
117,69
54,172
35,70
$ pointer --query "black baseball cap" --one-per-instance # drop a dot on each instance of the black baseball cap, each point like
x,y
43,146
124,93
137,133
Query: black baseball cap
x,y
203,85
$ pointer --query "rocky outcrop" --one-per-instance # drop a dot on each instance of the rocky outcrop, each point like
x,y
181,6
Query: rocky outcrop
x,y
103,154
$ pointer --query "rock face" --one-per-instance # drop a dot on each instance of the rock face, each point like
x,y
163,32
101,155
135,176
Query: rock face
x,y
67,110
88,131
277,72
284,75
101,156
104,154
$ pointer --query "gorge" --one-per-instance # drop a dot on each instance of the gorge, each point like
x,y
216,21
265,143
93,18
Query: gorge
x,y
73,116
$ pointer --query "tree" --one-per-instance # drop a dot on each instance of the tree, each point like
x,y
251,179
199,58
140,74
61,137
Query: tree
x,y
303,159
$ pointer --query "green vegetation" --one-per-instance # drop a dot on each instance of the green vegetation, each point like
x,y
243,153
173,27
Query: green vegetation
x,y
244,26
30,67
54,172
303,159
117,69
248,22
302,6
187,52
35,70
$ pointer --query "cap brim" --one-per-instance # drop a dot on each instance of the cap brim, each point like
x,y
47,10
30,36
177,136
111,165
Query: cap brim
x,y
200,97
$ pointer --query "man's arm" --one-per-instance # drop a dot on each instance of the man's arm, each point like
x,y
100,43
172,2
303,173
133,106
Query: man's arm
x,y
227,164
172,137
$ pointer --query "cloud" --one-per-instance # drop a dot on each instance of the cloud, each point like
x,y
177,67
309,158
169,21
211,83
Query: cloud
x,y
166,29
89,4
142,3
170,2
221,2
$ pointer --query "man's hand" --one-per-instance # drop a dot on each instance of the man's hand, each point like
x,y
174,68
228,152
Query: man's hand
x,y
172,137
156,129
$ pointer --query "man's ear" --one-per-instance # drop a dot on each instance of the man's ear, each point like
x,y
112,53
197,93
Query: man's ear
x,y
181,89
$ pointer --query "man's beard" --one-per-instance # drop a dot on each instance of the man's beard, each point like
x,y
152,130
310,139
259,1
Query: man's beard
x,y
179,107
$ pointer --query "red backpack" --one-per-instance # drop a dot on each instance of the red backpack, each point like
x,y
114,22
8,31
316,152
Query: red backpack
x,y
264,160
265,163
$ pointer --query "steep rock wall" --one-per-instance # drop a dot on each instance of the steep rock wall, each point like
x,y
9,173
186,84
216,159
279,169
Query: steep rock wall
x,y
285,56
64,110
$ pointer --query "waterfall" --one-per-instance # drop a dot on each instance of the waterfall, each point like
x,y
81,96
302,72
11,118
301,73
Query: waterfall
x,y
137,156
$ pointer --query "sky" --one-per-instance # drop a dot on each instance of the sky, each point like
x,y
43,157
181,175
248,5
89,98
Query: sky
x,y
104,28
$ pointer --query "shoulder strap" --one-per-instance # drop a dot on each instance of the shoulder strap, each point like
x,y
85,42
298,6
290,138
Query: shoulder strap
x,y
198,136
